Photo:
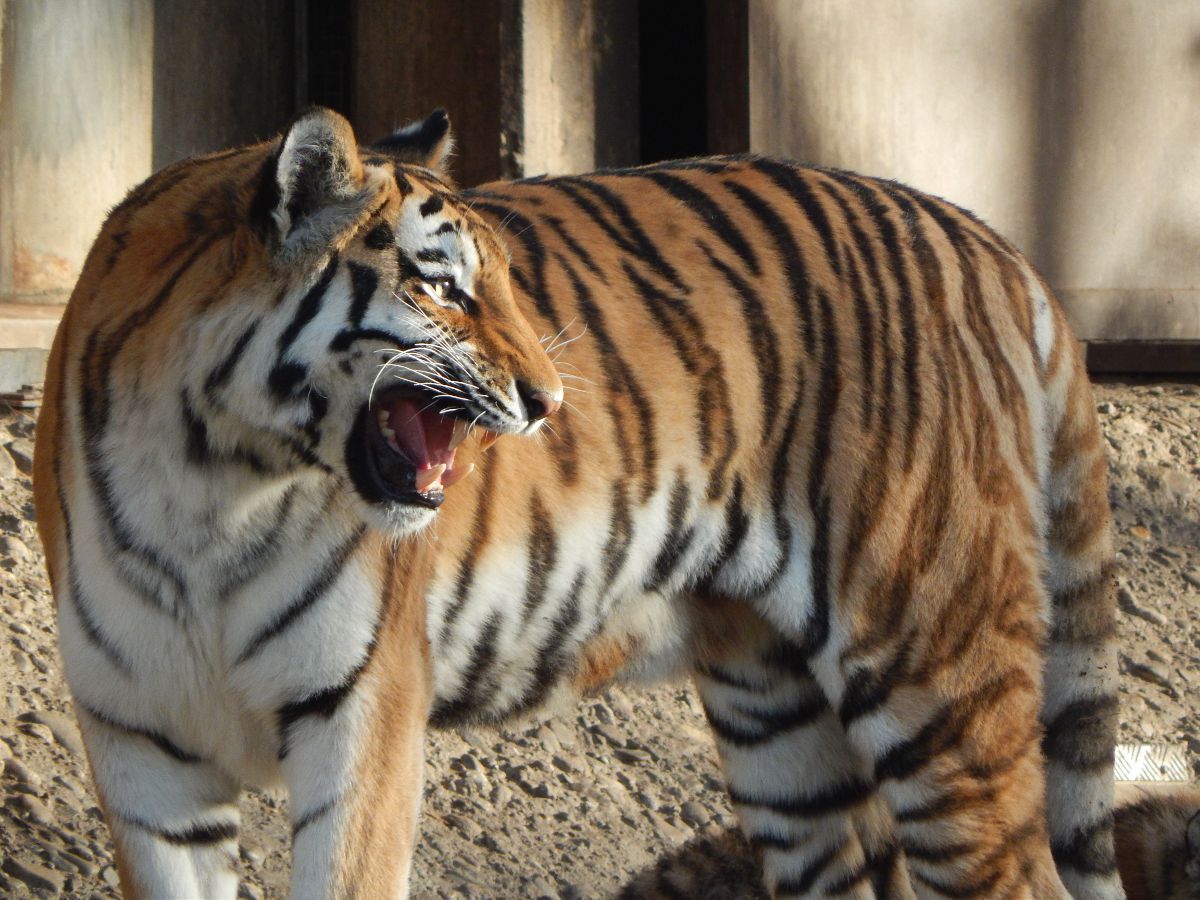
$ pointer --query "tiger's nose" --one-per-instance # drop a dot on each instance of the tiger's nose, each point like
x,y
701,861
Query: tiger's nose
x,y
539,404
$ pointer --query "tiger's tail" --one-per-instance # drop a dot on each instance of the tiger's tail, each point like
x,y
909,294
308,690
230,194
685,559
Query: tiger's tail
x,y
1079,710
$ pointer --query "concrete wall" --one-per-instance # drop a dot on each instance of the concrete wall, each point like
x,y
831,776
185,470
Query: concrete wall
x,y
580,89
75,120
224,74
1071,127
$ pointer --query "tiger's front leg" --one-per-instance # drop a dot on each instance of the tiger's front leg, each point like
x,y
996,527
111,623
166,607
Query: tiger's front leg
x,y
352,757
173,815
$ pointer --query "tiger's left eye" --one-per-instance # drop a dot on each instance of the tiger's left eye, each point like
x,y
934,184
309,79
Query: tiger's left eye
x,y
439,290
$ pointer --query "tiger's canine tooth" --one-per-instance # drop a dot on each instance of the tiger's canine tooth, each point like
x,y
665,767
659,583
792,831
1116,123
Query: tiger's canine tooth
x,y
427,478
457,474
487,439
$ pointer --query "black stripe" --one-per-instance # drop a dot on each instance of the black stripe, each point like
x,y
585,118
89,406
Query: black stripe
x,y
308,307
677,539
521,229
311,816
829,390
878,865
945,729
543,554
980,887
768,724
1089,850
553,656
479,539
1082,735
867,191
620,538
431,206
792,181
220,375
91,628
255,554
773,841
363,282
468,696
699,358
312,592
867,689
157,738
726,678
710,213
799,885
863,303
197,835
381,237
575,247
432,255
834,798
637,244
763,340
622,382
95,409
794,264
342,341
323,703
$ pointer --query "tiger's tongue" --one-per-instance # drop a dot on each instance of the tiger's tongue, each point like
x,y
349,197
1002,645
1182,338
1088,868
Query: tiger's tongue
x,y
422,436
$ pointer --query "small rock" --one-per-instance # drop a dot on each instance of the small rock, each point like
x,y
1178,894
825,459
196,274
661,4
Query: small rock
x,y
501,796
468,828
632,757
1141,532
8,466
1154,673
249,891
694,814
252,854
1129,604
14,548
24,774
62,728
39,879
21,451
1192,577
111,878
36,810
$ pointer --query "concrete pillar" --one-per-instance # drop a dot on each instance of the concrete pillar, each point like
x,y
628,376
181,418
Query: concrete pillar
x,y
580,89
75,132
1070,127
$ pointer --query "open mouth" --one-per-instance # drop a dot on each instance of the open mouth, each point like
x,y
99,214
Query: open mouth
x,y
401,450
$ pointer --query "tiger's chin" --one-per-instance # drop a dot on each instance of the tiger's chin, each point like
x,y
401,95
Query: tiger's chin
x,y
400,456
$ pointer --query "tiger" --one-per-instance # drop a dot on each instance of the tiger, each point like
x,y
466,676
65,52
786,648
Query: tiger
x,y
333,451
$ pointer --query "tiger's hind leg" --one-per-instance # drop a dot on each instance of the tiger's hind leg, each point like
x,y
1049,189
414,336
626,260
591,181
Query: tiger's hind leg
x,y
944,703
1080,707
805,799
173,816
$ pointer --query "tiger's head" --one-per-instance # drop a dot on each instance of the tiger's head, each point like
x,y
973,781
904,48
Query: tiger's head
x,y
380,331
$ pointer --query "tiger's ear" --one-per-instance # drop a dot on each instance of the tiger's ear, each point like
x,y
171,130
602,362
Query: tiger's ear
x,y
319,189
427,142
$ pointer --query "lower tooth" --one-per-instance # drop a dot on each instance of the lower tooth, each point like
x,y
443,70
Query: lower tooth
x,y
429,478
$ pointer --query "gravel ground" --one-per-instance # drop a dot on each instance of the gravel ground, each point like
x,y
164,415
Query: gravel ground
x,y
574,806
